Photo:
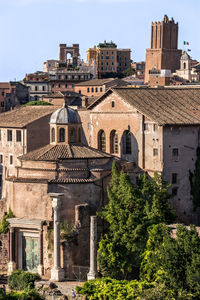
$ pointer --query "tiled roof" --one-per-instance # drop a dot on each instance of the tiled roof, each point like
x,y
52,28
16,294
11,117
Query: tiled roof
x,y
164,106
95,82
4,85
45,181
62,152
25,115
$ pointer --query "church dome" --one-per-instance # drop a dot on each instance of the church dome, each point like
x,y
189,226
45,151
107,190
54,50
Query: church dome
x,y
64,115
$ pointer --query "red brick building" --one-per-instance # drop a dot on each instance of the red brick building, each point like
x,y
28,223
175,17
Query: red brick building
x,y
164,53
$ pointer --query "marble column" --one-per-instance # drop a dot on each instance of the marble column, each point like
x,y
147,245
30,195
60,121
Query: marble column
x,y
57,274
93,248
41,267
11,263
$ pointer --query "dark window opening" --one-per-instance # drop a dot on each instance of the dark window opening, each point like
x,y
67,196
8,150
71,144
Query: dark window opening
x,y
9,135
18,135
62,135
114,142
102,141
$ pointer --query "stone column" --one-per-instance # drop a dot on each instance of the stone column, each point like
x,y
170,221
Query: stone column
x,y
57,274
11,263
93,248
41,267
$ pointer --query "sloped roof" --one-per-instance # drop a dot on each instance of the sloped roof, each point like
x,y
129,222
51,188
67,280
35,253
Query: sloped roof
x,y
164,106
20,117
62,152
4,85
95,82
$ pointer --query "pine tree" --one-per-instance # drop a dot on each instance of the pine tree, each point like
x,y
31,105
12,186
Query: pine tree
x,y
130,211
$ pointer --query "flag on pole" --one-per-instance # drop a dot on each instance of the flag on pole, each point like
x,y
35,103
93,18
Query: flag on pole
x,y
185,43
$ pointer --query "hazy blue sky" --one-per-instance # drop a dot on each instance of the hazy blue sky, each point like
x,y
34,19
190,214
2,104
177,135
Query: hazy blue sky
x,y
30,30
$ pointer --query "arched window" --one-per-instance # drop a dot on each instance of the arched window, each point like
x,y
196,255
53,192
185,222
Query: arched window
x,y
72,135
184,65
102,141
62,135
113,142
53,135
127,142
79,135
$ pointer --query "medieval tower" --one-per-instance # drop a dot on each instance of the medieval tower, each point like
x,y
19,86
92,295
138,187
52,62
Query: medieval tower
x,y
164,53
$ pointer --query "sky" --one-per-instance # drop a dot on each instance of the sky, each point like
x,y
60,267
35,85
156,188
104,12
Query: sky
x,y
31,30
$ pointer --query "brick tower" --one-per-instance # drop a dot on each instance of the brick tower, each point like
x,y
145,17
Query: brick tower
x,y
164,53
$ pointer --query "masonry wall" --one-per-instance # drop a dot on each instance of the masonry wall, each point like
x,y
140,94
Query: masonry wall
x,y
4,252
186,140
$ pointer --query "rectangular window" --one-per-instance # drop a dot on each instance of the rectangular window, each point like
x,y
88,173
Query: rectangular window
x,y
11,160
96,89
155,152
174,178
66,85
155,127
43,88
92,90
18,136
146,126
101,90
1,158
36,88
113,103
9,135
88,90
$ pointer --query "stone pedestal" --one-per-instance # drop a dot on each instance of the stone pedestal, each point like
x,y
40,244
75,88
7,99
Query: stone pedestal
x,y
11,267
93,249
57,274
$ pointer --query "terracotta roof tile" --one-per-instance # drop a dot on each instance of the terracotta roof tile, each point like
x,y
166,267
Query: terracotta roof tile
x,y
164,106
62,152
25,115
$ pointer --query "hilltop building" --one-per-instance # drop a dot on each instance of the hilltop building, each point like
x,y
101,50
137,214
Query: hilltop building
x,y
109,59
12,93
164,55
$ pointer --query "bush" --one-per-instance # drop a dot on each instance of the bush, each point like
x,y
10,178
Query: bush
x,y
108,289
4,225
20,280
21,295
38,102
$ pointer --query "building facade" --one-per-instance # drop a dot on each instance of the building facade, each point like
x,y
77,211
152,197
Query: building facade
x,y
164,53
65,167
155,129
109,59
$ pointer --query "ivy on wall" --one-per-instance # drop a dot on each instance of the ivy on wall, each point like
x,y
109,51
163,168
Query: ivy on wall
x,y
4,224
195,182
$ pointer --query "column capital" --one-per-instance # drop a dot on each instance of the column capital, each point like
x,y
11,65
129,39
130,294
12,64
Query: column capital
x,y
56,199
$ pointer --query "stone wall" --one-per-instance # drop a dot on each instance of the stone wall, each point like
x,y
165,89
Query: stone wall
x,y
4,252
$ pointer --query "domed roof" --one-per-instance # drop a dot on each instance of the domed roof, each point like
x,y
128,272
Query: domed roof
x,y
64,115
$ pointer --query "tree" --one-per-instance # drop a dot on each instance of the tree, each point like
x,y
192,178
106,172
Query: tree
x,y
130,211
174,262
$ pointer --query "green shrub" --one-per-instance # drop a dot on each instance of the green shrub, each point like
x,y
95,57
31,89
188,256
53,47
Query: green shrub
x,y
20,280
21,295
108,289
4,224
38,102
